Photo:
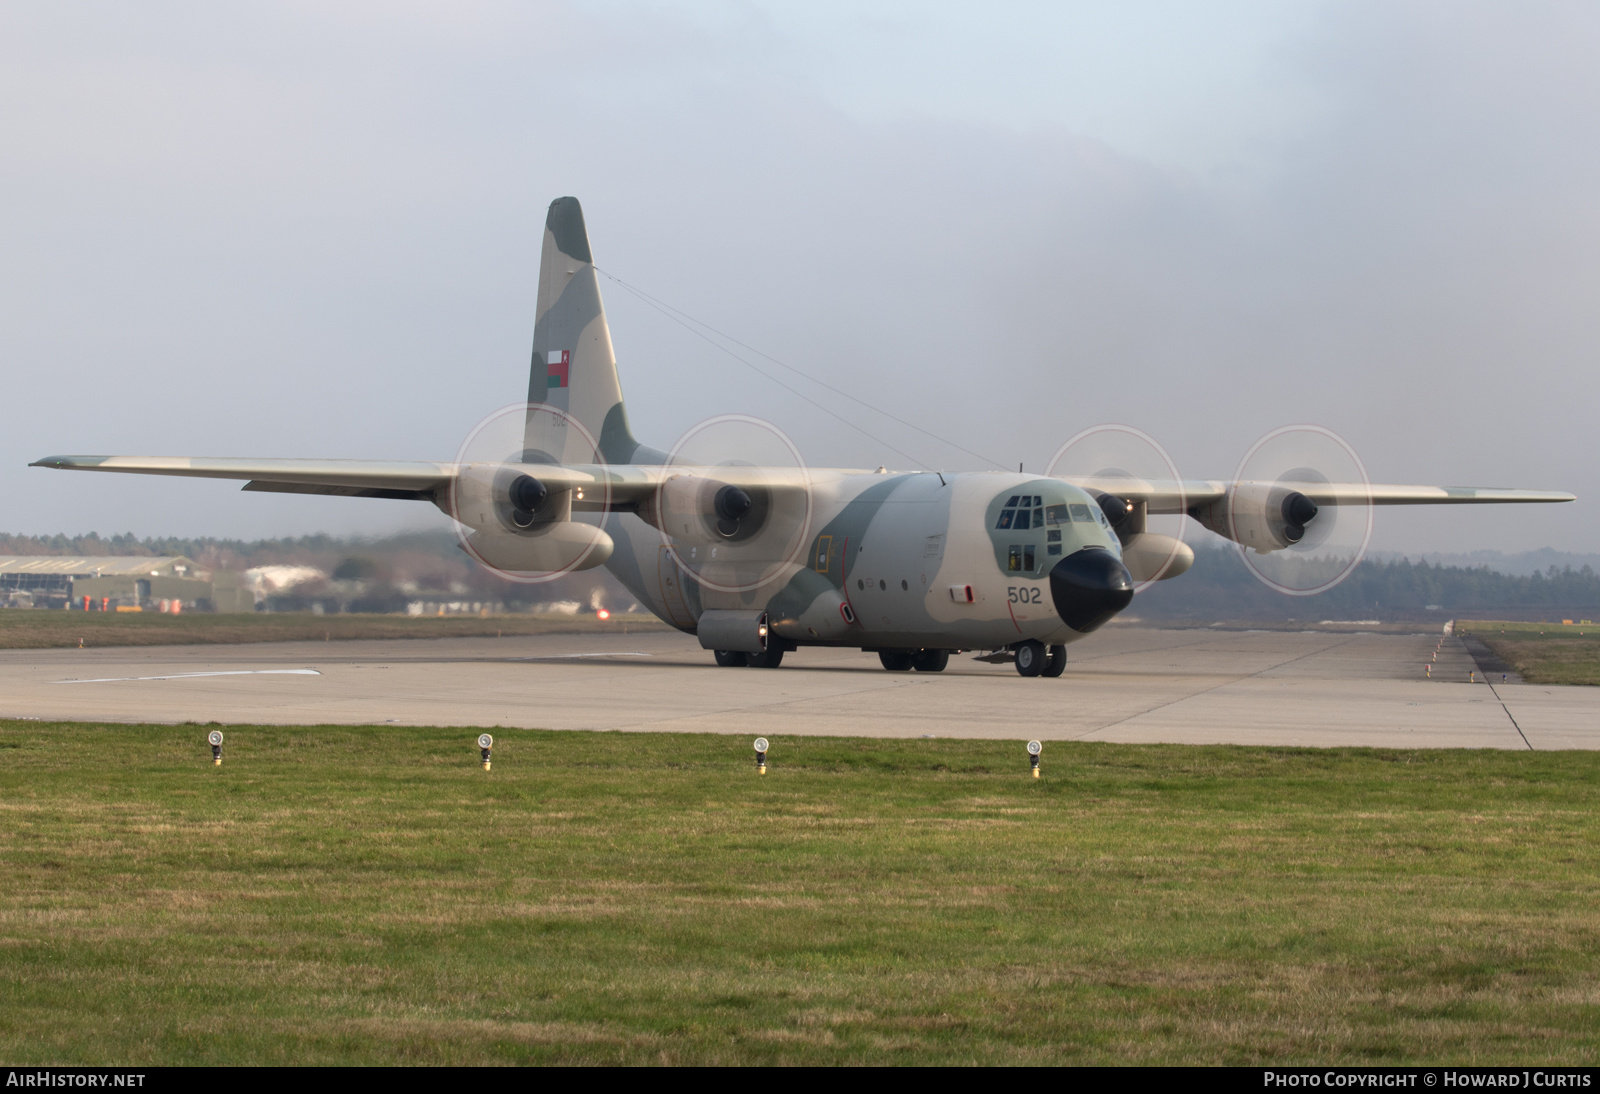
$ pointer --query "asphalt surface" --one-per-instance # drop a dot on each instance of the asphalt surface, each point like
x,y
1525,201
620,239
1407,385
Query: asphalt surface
x,y
1126,683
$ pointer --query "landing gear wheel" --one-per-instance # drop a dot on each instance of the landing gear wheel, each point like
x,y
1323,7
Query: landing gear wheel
x,y
1030,657
930,660
770,658
730,659
897,660
1057,664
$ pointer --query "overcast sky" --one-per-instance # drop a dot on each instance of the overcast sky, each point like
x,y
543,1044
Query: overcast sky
x,y
313,230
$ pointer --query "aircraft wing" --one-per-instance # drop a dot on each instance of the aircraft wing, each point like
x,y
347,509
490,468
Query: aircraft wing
x,y
627,484
1177,497
348,478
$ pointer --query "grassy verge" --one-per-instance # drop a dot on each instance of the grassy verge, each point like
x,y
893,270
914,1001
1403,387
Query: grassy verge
x,y
343,895
42,629
1544,653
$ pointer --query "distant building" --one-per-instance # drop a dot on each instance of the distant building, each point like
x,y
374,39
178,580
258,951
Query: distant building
x,y
106,583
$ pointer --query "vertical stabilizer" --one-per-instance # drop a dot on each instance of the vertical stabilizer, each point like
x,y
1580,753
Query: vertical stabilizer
x,y
574,367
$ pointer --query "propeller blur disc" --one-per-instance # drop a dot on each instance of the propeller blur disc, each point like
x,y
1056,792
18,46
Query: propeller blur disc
x,y
736,512
526,433
1304,458
1120,460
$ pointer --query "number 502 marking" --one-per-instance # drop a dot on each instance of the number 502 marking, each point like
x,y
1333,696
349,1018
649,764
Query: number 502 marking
x,y
1024,594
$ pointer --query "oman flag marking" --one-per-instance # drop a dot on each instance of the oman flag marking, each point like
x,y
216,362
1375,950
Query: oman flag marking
x,y
559,362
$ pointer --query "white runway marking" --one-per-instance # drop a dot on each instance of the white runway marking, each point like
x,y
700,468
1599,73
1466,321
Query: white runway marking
x,y
570,656
191,675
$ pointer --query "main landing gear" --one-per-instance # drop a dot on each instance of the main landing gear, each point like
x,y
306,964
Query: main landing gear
x,y
921,660
1033,659
770,658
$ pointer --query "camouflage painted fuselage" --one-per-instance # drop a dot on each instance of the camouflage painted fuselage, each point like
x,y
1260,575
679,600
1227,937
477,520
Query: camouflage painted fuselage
x,y
891,561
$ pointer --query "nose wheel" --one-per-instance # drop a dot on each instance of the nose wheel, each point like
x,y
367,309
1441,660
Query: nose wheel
x,y
1034,659
1031,657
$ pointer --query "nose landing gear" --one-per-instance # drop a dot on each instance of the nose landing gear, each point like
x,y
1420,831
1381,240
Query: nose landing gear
x,y
1034,659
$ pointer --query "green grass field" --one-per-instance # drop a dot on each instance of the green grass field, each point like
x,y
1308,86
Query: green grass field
x,y
1543,653
43,630
339,895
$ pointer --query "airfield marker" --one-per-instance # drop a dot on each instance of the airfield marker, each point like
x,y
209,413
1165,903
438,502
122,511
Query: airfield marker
x,y
214,738
1034,748
486,745
761,755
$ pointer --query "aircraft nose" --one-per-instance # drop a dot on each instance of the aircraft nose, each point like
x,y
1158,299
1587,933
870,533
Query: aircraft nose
x,y
1089,587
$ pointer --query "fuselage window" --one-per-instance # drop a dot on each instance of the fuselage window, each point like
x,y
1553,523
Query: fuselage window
x,y
1006,518
1057,514
1054,549
1014,559
1022,520
1053,536
1027,557
1012,502
1081,513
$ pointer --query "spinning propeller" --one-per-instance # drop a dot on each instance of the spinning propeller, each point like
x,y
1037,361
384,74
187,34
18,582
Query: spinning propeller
x,y
1302,493
512,521
1140,491
735,510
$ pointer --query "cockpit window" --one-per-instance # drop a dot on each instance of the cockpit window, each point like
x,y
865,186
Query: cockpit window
x,y
1024,512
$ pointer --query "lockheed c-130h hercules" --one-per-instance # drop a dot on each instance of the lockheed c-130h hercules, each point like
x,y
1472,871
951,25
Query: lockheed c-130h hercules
x,y
731,537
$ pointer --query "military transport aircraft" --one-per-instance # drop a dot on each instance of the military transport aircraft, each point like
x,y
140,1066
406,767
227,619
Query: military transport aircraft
x,y
732,538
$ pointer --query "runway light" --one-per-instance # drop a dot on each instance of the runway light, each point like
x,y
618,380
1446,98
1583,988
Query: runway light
x,y
603,614
761,755
485,746
1034,748
214,739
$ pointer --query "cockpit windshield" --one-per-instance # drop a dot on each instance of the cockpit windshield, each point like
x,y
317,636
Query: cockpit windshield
x,y
1024,511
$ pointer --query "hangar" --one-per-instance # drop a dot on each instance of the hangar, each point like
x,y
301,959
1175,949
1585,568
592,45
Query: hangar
x,y
103,583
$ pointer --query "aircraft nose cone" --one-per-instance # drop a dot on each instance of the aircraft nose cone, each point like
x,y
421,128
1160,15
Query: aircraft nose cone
x,y
1089,587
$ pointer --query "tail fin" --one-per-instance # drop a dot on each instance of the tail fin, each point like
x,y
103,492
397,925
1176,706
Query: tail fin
x,y
574,367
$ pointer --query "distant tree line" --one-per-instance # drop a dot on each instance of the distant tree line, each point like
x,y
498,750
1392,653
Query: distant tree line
x,y
1221,586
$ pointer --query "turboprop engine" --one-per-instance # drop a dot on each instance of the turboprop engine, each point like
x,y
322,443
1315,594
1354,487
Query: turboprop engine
x,y
1262,516
694,509
520,525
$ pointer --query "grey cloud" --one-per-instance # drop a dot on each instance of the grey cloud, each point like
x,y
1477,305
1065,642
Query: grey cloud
x,y
289,233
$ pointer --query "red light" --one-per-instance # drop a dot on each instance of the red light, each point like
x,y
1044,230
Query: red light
x,y
603,614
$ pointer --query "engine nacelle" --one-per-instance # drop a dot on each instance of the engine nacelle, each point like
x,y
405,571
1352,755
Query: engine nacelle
x,y
1263,516
519,524
501,498
1152,557
692,509
557,548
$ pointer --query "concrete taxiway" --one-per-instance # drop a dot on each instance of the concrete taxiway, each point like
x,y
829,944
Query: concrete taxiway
x,y
1126,683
